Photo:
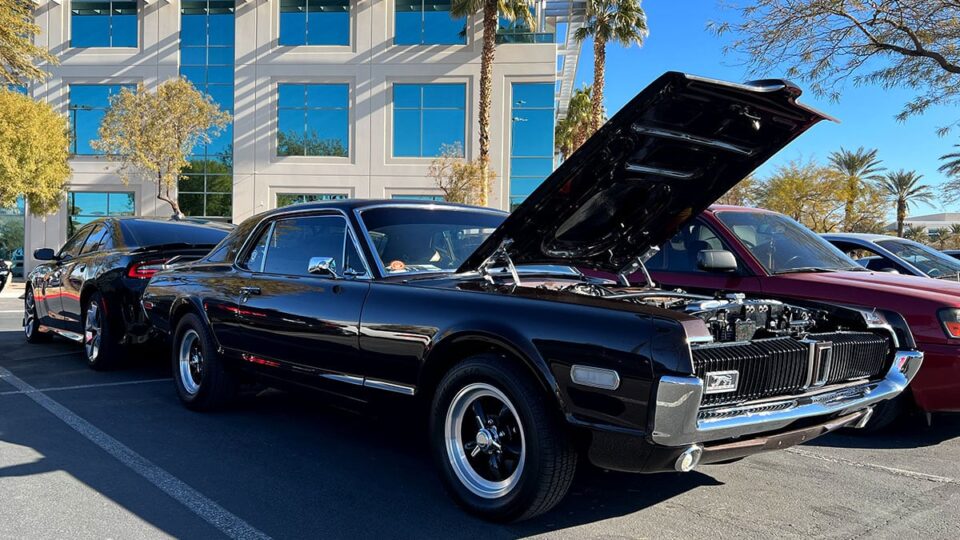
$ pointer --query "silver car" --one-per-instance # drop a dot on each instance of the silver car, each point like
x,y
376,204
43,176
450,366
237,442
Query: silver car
x,y
892,254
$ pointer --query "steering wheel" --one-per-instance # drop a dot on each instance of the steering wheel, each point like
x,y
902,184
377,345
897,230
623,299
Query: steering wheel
x,y
790,261
934,272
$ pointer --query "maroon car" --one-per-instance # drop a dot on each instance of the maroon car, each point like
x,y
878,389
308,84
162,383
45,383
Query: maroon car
x,y
775,256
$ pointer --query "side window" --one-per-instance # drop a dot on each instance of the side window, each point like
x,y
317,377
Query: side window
x,y
680,253
293,242
254,259
97,240
73,245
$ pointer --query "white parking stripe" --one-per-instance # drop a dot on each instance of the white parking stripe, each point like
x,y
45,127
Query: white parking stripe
x,y
84,386
11,311
214,514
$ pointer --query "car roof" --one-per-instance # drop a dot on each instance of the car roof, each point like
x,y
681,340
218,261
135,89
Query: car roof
x,y
859,236
731,207
348,205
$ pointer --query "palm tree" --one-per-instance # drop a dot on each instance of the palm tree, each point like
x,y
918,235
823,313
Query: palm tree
x,y
951,165
621,21
904,189
491,10
577,126
856,168
917,233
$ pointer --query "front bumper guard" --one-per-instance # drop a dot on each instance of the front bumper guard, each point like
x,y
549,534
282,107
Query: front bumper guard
x,y
678,420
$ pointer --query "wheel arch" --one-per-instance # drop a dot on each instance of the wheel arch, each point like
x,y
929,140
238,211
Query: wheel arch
x,y
184,305
458,346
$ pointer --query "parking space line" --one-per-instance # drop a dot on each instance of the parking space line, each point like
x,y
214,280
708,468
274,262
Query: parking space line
x,y
892,470
85,386
51,355
211,512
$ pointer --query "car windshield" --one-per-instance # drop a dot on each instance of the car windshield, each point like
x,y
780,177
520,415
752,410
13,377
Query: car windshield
x,y
422,239
930,261
784,246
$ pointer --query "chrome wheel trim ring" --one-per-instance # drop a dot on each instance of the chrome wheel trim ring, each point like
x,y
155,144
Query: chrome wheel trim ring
x,y
460,411
29,304
91,332
190,362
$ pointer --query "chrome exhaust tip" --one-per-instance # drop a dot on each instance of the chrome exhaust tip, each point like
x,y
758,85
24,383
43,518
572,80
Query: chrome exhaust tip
x,y
865,419
689,459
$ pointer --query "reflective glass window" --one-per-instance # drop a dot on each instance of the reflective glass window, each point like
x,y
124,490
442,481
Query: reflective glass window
x,y
86,206
286,199
207,60
531,139
314,22
103,24
427,117
418,22
88,105
313,120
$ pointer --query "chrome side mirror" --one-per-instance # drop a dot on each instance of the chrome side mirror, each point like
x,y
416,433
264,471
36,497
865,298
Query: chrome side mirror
x,y
323,266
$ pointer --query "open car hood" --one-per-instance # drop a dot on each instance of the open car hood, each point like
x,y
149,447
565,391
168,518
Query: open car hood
x,y
677,147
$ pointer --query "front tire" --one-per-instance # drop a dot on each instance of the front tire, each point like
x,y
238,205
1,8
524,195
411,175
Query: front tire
x,y
199,374
31,322
101,348
502,451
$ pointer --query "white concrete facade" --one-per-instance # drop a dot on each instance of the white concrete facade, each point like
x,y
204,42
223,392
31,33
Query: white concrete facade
x,y
370,64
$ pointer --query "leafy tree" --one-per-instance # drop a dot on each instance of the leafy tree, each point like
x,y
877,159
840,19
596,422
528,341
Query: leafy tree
x,y
857,168
34,143
902,43
944,237
620,21
743,194
461,181
310,144
490,11
154,132
17,51
807,192
869,211
903,189
577,126
917,233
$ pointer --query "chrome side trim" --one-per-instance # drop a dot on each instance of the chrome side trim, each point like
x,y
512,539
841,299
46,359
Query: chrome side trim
x,y
349,379
72,336
389,387
678,421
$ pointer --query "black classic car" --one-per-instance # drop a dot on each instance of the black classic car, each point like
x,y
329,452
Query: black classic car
x,y
523,361
89,291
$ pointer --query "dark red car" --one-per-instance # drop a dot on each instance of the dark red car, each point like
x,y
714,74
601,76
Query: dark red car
x,y
776,256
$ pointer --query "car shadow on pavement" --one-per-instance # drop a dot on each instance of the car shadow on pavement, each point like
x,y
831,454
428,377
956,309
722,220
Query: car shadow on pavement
x,y
910,432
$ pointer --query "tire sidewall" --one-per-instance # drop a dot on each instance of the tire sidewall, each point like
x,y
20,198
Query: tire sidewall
x,y
35,334
106,350
486,369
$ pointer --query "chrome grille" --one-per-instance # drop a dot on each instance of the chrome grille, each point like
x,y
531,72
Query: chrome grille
x,y
856,355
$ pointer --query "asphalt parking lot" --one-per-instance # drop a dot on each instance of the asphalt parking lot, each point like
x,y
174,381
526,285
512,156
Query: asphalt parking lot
x,y
114,455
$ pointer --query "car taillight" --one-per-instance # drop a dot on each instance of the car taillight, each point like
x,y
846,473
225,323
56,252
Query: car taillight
x,y
950,319
145,270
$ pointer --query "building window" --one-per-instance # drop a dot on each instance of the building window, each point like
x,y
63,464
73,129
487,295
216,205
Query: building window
x,y
418,22
207,61
312,120
86,206
286,199
103,24
88,104
16,88
418,197
531,138
426,117
314,22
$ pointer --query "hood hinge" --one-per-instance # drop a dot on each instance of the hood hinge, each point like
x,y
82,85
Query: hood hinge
x,y
637,264
500,257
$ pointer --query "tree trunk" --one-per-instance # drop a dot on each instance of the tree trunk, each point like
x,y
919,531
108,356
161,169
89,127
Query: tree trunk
x,y
599,67
901,216
165,197
853,192
486,89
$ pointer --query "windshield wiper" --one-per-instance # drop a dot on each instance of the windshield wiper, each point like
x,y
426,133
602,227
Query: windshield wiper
x,y
807,270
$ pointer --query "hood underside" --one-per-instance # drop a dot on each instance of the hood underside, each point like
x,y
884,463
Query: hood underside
x,y
677,147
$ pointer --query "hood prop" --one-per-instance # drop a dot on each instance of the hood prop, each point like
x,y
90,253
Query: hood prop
x,y
637,264
500,257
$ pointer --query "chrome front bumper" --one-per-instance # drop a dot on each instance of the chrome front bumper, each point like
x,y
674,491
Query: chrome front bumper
x,y
678,420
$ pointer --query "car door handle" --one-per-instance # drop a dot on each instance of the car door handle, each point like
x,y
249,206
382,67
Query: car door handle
x,y
249,290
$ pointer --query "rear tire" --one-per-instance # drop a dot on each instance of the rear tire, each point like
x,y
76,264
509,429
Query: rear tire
x,y
521,462
199,373
31,323
101,348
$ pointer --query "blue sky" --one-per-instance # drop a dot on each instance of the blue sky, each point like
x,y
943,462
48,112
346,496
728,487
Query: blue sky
x,y
679,41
